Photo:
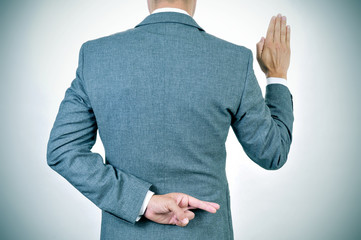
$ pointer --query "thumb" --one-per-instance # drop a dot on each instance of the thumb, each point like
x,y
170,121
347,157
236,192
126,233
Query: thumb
x,y
260,45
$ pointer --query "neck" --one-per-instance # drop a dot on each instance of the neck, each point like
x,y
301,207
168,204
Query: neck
x,y
175,4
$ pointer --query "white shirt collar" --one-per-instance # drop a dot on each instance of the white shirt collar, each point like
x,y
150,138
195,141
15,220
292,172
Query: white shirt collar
x,y
169,9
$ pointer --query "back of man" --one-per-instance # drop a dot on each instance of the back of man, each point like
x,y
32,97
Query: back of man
x,y
163,96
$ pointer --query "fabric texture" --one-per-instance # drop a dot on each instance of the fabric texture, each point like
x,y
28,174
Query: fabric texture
x,y
163,96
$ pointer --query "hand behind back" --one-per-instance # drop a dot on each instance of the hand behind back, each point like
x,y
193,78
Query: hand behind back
x,y
174,207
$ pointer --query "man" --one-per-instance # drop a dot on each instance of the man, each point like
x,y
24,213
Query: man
x,y
163,96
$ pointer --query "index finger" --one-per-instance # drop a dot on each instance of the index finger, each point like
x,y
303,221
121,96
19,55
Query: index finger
x,y
194,202
271,28
215,205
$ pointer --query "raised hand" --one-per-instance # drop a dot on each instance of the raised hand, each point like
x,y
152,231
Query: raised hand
x,y
273,53
173,208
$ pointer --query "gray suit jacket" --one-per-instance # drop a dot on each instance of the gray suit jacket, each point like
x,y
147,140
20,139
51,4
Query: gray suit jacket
x,y
164,95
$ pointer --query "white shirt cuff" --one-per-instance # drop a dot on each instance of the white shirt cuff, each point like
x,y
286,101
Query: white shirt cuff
x,y
274,80
145,204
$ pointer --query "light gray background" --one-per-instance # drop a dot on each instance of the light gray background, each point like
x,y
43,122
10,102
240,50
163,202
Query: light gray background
x,y
316,195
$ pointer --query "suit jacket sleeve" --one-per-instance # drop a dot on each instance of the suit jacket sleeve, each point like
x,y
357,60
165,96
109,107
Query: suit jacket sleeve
x,y
264,126
69,153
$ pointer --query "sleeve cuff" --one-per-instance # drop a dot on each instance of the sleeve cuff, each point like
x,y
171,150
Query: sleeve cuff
x,y
147,198
276,80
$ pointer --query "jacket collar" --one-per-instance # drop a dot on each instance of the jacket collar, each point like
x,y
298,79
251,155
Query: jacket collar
x,y
174,17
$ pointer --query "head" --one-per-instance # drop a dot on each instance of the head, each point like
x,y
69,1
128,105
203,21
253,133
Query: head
x,y
187,5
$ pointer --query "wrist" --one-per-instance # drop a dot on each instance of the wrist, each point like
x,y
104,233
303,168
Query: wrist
x,y
276,75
